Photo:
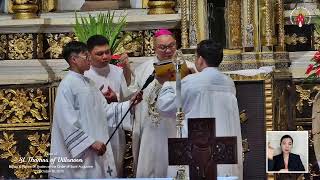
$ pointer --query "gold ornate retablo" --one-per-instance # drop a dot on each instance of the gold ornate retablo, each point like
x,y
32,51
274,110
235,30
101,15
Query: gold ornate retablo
x,y
161,7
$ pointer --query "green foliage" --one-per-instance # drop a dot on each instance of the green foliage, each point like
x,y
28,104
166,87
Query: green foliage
x,y
317,24
102,24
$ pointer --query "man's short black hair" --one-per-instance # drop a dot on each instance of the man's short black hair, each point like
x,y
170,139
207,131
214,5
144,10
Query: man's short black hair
x,y
96,40
211,51
285,137
73,47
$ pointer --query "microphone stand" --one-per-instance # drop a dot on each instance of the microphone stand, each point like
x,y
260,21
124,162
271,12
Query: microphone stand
x,y
148,81
122,119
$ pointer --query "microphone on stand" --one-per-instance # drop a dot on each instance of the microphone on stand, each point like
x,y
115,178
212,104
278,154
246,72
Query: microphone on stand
x,y
146,84
148,81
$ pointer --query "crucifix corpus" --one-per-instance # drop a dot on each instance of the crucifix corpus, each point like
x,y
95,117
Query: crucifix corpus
x,y
202,151
91,5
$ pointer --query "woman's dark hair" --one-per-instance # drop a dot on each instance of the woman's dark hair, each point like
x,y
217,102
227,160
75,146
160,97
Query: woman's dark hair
x,y
285,137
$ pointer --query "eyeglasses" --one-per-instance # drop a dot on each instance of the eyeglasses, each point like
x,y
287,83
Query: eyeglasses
x,y
85,58
165,47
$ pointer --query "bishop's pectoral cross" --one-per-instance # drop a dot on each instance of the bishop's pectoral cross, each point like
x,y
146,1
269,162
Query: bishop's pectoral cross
x,y
202,151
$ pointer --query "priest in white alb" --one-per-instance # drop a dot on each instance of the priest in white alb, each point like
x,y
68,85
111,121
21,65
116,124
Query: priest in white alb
x,y
207,94
112,82
80,123
151,131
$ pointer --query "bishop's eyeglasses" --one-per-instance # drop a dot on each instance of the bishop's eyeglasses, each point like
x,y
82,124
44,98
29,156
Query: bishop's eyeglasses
x,y
163,47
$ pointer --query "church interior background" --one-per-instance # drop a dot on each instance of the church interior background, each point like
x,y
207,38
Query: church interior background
x,y
275,98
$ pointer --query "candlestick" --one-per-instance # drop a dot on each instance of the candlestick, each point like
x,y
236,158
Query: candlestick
x,y
177,60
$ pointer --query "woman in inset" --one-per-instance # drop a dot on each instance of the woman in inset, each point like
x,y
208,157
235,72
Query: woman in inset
x,y
286,161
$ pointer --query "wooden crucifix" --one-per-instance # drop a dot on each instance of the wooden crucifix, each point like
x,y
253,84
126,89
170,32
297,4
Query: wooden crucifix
x,y
202,151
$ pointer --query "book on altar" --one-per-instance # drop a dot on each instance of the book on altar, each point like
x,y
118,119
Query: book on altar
x,y
163,67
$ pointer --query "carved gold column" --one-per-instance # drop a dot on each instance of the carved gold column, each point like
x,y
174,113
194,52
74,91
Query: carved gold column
x,y
234,22
281,38
193,23
249,26
268,103
184,25
25,9
202,16
266,22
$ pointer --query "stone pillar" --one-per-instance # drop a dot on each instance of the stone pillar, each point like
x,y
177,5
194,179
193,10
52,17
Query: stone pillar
x,y
70,5
2,5
136,3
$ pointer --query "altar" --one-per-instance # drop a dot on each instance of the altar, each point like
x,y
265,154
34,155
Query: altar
x,y
268,69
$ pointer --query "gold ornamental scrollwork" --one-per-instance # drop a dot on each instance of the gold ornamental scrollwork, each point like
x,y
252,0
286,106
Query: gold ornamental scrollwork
x,y
3,45
316,41
56,43
281,30
243,116
268,22
245,147
131,44
148,43
305,96
295,39
25,166
234,23
193,31
20,46
22,106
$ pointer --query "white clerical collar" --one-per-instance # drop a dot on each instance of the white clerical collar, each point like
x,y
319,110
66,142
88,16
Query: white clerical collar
x,y
104,71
